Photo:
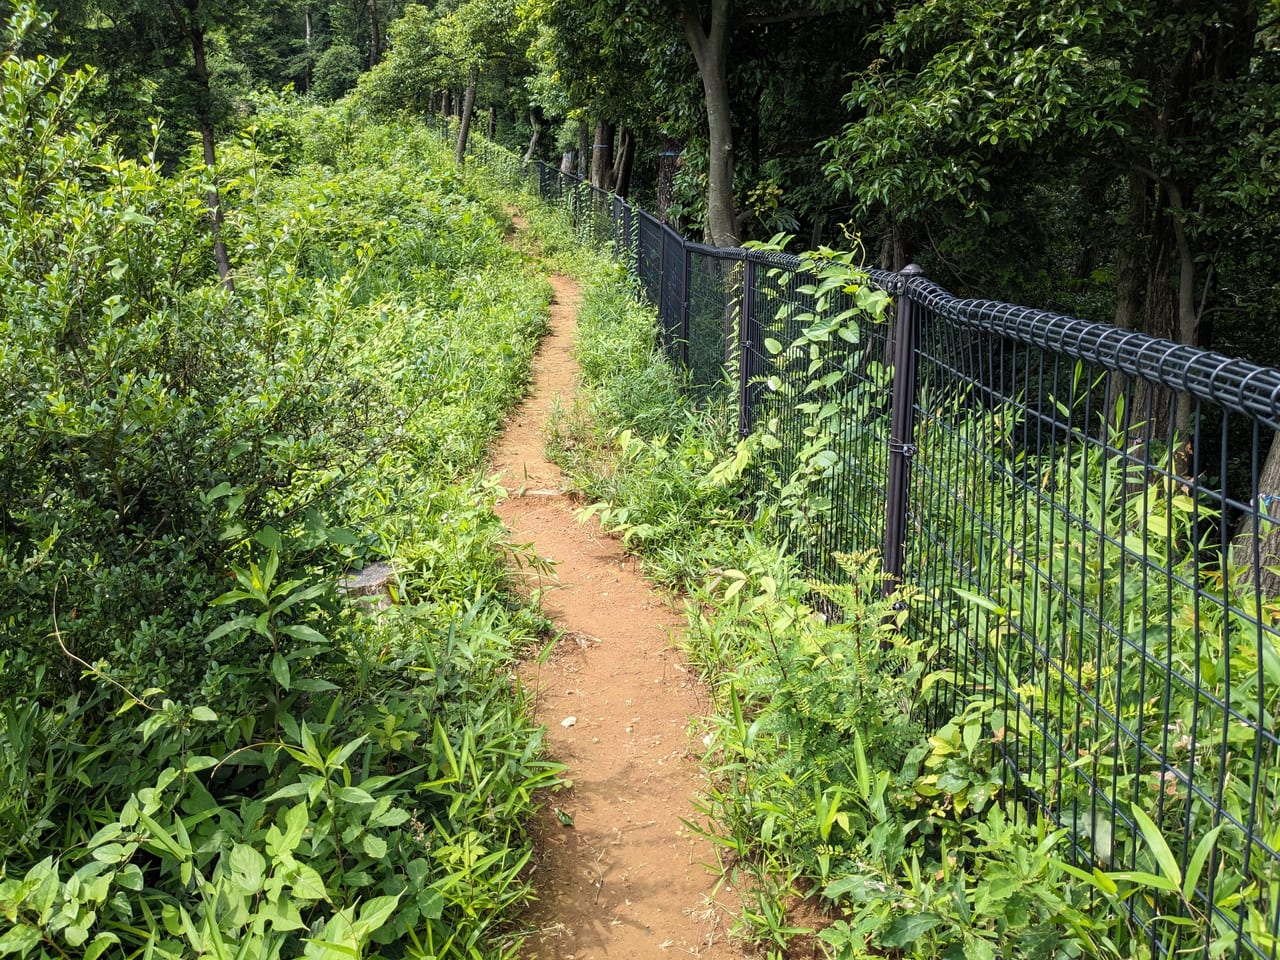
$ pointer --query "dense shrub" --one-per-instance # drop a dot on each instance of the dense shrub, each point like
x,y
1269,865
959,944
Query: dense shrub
x,y
205,748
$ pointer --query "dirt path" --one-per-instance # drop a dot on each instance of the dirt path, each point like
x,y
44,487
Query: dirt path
x,y
626,879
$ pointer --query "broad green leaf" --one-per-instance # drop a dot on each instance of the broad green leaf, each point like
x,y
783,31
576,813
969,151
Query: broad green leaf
x,y
306,883
280,670
20,938
304,633
248,868
376,912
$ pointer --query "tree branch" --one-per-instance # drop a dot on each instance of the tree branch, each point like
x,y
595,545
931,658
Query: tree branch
x,y
764,20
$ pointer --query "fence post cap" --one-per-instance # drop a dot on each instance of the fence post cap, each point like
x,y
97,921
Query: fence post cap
x,y
912,270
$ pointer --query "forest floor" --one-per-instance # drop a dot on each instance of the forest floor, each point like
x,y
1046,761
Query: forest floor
x,y
617,872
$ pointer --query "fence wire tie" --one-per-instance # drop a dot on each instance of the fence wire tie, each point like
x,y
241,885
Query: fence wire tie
x,y
908,450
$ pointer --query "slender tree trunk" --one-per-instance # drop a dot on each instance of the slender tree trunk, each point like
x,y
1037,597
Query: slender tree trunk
x,y
535,121
1160,319
602,156
468,108
1130,269
493,122
375,34
623,162
188,22
1257,545
710,44
306,39
584,148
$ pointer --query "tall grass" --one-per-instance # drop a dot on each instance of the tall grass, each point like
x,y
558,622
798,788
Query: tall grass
x,y
209,748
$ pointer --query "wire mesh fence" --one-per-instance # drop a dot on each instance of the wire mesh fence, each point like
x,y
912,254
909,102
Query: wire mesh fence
x,y
1088,512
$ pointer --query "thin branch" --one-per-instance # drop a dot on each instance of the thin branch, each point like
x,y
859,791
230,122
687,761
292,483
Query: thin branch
x,y
762,20
90,668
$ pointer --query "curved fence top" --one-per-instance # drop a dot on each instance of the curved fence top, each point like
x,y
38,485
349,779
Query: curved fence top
x,y
1249,387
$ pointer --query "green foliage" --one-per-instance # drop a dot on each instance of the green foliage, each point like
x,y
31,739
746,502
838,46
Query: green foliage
x,y
336,71
638,450
819,354
208,747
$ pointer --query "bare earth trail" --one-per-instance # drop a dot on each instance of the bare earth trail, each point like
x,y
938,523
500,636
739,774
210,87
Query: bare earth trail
x,y
627,879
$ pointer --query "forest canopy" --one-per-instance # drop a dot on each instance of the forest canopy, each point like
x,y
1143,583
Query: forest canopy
x,y
1114,160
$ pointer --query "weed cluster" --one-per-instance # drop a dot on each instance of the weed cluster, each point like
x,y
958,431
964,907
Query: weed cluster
x,y
208,748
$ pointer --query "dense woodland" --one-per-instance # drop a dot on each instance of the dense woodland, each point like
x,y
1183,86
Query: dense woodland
x,y
1111,159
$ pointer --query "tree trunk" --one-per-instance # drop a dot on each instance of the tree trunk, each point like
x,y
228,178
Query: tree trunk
x,y
623,162
584,148
710,49
188,23
1257,542
1130,258
535,121
444,103
468,108
375,34
668,164
306,39
493,122
1154,406
602,156
567,160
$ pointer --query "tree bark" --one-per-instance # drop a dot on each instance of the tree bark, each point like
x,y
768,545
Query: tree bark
x,y
1257,543
709,43
602,156
535,121
1130,270
306,39
493,122
623,162
468,108
189,23
668,164
375,34
584,148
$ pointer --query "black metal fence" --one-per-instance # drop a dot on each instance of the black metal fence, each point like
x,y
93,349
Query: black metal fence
x,y
1083,508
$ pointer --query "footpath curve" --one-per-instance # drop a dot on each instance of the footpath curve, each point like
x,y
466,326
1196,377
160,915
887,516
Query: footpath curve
x,y
623,877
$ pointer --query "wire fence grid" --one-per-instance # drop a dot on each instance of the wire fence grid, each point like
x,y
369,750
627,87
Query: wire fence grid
x,y
1083,507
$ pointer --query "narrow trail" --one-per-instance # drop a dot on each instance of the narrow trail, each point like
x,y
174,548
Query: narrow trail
x,y
626,879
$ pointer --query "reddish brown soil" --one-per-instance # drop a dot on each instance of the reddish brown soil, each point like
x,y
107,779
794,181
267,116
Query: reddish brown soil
x,y
627,879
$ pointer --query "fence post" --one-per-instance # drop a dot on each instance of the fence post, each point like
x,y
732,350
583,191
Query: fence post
x,y
686,303
905,335
662,291
747,332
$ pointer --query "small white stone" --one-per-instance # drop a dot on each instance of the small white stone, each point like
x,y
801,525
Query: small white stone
x,y
568,721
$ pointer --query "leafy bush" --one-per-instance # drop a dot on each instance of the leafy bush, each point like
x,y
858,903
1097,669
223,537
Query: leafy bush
x,y
336,71
208,748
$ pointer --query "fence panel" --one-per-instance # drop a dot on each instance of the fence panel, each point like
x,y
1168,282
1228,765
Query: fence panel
x,y
1082,518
